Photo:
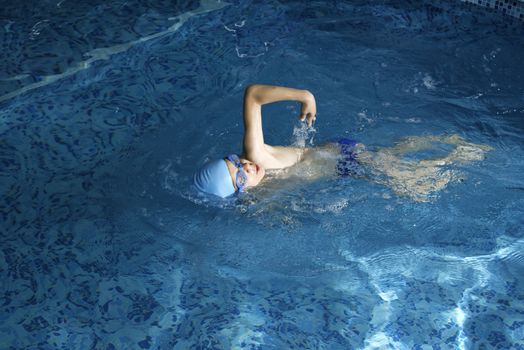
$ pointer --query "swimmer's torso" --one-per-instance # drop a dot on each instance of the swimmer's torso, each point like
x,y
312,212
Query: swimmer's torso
x,y
313,163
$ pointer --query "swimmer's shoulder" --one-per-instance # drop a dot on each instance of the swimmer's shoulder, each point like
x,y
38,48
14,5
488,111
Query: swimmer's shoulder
x,y
277,157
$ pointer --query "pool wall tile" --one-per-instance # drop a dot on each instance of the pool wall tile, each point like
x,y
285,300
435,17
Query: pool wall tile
x,y
514,8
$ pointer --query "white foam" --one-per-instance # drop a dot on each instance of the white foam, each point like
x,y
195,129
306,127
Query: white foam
x,y
428,82
303,134
334,207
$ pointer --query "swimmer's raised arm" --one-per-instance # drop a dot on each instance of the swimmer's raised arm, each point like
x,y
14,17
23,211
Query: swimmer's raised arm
x,y
254,147
264,94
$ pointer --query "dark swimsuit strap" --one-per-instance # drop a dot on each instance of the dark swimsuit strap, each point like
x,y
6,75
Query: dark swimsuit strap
x,y
347,164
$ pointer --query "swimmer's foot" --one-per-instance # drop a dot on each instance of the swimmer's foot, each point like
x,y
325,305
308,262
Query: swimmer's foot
x,y
463,153
458,140
467,153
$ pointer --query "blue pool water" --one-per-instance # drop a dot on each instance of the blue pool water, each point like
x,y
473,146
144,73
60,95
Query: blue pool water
x,y
107,108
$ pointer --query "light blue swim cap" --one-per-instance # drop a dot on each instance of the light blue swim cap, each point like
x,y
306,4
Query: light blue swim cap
x,y
214,178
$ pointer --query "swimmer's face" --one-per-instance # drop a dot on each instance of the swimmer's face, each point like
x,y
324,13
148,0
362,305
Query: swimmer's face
x,y
254,172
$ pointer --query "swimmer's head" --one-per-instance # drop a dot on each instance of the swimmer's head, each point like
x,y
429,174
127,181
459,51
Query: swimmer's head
x,y
224,177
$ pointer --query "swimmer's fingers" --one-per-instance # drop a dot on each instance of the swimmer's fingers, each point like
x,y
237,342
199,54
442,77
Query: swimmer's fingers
x,y
302,117
308,110
311,119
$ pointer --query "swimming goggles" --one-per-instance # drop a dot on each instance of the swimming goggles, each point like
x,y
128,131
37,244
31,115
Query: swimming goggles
x,y
241,178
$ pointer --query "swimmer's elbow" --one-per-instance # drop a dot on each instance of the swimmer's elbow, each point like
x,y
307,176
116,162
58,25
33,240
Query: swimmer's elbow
x,y
250,89
252,93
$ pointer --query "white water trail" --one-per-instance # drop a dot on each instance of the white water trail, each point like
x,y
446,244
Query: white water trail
x,y
105,53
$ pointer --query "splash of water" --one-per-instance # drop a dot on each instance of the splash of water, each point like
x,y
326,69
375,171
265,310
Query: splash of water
x,y
303,135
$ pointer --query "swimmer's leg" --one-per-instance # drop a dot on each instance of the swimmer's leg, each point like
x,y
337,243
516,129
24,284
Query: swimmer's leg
x,y
418,143
420,179
464,152
415,180
411,144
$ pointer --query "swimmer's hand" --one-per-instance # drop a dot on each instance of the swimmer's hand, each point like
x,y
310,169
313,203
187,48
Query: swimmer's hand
x,y
309,108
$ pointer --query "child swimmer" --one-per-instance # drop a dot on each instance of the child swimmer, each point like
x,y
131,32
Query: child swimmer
x,y
416,179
